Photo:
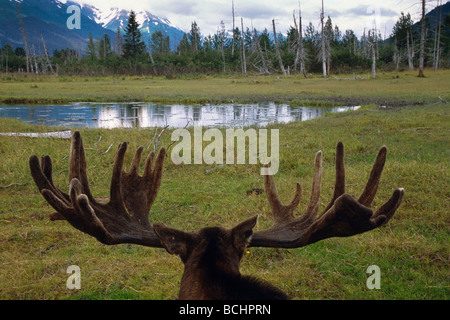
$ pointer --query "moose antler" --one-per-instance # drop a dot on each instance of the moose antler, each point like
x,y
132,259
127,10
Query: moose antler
x,y
344,216
124,219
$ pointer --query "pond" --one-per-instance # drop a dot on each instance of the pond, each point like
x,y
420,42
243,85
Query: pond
x,y
143,115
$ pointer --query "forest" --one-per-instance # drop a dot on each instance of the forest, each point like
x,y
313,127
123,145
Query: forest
x,y
299,51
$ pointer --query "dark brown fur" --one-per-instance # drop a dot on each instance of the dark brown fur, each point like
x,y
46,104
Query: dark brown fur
x,y
211,257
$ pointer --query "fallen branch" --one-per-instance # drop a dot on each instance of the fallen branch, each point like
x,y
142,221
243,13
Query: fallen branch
x,y
107,150
13,185
57,134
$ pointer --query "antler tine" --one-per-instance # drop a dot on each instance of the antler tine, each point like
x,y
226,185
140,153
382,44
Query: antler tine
x,y
77,164
371,187
339,184
313,205
146,187
284,213
115,188
124,219
281,213
344,216
155,175
388,209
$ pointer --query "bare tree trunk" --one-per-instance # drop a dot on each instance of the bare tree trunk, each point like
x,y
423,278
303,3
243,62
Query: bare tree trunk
x,y
437,38
410,51
374,56
119,43
396,56
324,59
234,27
258,48
297,46
244,63
151,56
27,48
280,60
33,56
422,42
364,44
302,48
300,56
49,64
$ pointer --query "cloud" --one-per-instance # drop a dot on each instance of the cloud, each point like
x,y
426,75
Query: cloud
x,y
348,14
362,10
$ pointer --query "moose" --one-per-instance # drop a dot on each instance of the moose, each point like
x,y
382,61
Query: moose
x,y
212,255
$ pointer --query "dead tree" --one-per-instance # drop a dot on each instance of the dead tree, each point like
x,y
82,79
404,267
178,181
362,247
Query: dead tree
x,y
234,27
47,58
277,49
323,53
422,42
437,36
212,255
410,49
244,62
265,70
27,48
396,58
300,53
119,43
373,41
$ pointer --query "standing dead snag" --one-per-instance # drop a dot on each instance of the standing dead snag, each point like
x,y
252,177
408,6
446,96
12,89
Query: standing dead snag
x,y
422,42
265,70
275,40
211,255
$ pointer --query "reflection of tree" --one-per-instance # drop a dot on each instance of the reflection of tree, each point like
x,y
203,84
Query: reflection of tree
x,y
197,113
237,111
177,116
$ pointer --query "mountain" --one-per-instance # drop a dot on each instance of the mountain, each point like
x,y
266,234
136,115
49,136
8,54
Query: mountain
x,y
443,10
114,18
49,19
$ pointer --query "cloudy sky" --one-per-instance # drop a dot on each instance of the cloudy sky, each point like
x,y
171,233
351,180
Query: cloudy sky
x,y
348,14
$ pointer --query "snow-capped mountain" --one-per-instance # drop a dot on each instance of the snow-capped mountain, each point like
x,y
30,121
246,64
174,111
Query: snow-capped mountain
x,y
49,18
149,23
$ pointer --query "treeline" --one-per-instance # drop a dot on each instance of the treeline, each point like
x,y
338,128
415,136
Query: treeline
x,y
302,50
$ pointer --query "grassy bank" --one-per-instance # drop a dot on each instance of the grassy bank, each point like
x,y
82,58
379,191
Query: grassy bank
x,y
412,250
388,89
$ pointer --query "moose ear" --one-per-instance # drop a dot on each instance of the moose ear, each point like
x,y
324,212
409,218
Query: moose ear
x,y
175,241
242,233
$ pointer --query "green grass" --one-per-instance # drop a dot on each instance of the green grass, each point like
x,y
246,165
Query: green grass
x,y
389,88
412,250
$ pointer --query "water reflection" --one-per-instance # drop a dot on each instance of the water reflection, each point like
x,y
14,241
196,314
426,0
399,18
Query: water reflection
x,y
128,115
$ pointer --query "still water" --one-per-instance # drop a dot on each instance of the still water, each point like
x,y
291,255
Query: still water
x,y
143,115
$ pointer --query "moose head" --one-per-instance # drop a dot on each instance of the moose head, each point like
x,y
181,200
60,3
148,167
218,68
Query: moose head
x,y
211,255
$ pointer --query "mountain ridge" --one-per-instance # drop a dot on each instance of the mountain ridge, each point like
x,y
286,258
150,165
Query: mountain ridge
x,y
49,19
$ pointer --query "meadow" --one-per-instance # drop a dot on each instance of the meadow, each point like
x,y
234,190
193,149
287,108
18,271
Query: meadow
x,y
407,114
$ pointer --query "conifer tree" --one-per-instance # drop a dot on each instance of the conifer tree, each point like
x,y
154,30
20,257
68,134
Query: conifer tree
x,y
133,45
91,50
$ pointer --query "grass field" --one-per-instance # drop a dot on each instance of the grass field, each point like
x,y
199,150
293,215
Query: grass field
x,y
412,251
389,88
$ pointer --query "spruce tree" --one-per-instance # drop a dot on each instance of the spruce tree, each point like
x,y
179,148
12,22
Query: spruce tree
x,y
133,45
91,50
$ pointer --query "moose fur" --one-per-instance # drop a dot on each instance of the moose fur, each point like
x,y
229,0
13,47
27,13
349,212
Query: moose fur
x,y
211,258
